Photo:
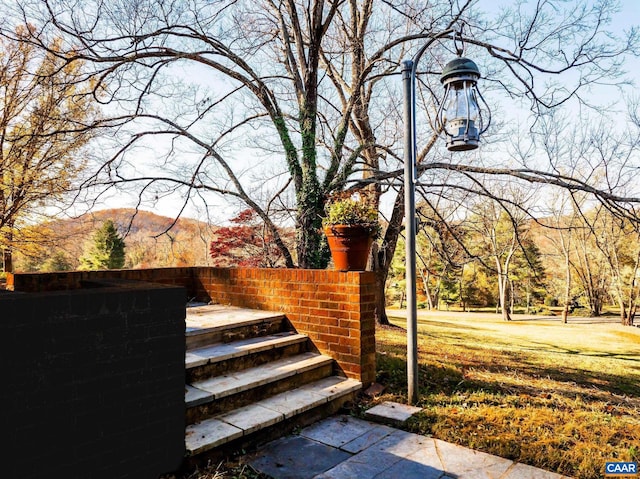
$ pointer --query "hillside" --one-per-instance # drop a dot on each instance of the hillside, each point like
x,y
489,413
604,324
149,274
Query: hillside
x,y
151,240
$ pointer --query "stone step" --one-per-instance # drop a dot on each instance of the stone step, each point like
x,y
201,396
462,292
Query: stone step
x,y
236,389
207,325
244,421
221,358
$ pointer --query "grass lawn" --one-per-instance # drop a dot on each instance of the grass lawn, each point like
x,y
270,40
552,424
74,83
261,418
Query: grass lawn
x,y
565,398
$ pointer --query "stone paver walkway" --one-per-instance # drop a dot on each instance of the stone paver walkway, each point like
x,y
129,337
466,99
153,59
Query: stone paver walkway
x,y
343,447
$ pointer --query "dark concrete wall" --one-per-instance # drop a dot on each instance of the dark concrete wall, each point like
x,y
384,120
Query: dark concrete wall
x,y
93,381
68,280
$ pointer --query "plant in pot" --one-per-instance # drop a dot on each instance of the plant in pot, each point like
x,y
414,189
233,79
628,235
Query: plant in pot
x,y
351,225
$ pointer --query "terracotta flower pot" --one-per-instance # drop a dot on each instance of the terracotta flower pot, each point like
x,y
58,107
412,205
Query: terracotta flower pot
x,y
349,245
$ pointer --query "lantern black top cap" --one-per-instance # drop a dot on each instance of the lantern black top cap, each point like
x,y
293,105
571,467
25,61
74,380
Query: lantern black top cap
x,y
460,67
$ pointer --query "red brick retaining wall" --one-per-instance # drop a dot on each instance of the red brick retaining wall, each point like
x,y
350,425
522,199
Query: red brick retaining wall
x,y
335,309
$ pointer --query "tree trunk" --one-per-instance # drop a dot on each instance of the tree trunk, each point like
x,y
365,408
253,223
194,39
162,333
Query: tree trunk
x,y
567,289
502,292
380,308
632,314
312,249
7,260
425,287
384,256
624,317
461,296
633,292
427,291
625,313
504,297
596,305
512,297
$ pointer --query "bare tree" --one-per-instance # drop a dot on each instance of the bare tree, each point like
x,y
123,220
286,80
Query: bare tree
x,y
564,145
500,230
442,255
619,243
560,229
584,232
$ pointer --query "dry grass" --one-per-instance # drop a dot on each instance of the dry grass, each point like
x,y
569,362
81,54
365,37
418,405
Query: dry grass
x,y
565,398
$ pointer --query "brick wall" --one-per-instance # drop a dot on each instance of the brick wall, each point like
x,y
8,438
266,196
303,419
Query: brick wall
x,y
336,309
93,381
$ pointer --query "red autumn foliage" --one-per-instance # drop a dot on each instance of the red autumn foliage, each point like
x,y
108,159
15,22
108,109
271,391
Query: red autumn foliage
x,y
246,244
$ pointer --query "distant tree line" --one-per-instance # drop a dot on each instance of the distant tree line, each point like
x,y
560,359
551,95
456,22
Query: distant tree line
x,y
493,259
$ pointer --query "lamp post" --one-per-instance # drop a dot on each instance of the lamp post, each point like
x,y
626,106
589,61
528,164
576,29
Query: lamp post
x,y
460,117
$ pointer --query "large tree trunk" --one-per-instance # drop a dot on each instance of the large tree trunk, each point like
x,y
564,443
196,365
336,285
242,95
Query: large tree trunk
x,y
384,256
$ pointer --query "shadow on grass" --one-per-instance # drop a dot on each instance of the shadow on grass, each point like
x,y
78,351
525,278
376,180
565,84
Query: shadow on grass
x,y
441,324
595,381
451,378
554,348
464,339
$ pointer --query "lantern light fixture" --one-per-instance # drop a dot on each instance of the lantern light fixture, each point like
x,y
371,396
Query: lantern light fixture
x,y
460,114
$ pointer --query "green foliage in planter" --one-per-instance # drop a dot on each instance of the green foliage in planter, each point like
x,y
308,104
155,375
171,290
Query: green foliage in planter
x,y
350,211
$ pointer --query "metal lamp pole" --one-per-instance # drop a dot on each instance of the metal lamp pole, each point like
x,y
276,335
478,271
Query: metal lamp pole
x,y
410,177
463,126
408,78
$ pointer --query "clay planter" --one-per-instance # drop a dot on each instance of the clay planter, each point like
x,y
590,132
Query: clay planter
x,y
349,245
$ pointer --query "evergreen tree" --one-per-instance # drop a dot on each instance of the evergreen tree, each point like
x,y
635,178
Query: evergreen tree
x,y
106,250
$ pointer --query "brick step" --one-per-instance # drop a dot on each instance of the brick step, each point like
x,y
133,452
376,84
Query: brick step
x,y
268,413
236,389
221,358
207,325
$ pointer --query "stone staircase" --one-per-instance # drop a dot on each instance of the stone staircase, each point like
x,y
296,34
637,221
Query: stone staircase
x,y
250,377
